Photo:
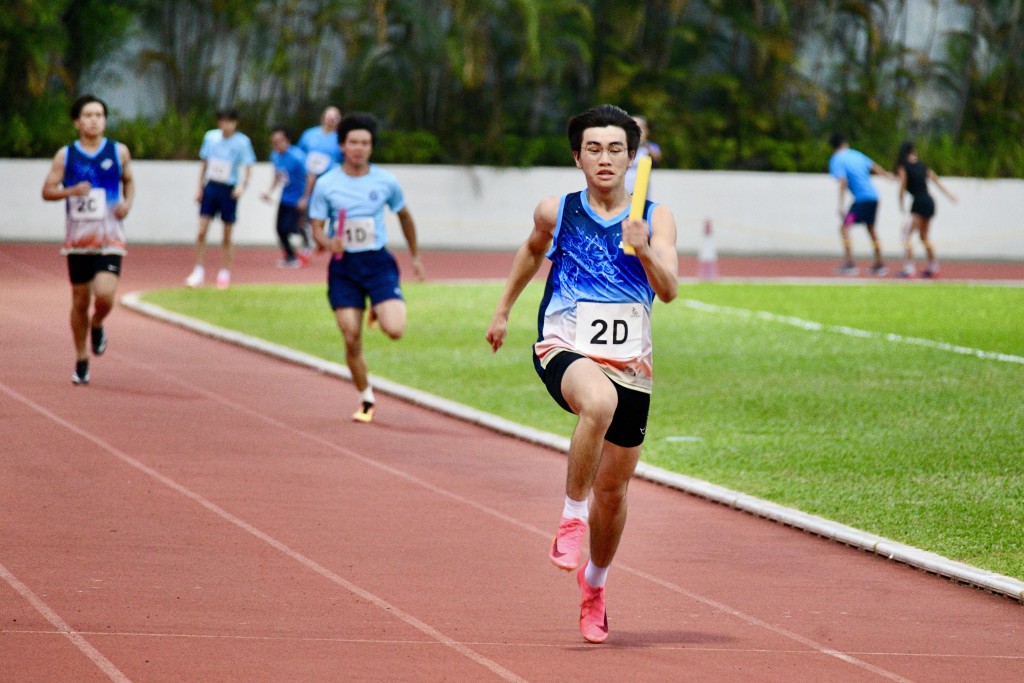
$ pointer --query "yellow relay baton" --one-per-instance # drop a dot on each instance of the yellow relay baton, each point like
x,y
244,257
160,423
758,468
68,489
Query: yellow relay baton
x,y
636,208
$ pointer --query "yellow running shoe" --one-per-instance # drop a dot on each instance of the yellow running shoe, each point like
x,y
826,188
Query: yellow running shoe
x,y
365,413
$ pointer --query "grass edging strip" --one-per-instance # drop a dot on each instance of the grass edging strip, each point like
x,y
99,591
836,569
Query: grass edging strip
x,y
899,552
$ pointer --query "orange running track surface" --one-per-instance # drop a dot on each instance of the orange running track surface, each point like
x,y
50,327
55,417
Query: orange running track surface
x,y
204,513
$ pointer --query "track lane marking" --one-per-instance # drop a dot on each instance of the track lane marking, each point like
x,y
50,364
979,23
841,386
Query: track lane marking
x,y
811,326
63,628
280,546
722,607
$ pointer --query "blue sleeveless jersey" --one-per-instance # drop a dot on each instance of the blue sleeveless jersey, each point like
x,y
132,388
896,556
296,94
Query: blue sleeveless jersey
x,y
91,224
597,300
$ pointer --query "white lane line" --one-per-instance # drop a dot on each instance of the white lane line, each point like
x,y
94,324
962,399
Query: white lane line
x,y
812,326
523,645
761,623
797,519
749,619
307,562
63,628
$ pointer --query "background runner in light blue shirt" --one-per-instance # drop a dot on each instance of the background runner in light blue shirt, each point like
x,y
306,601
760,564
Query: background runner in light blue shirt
x,y
322,149
349,201
228,158
855,167
363,199
853,170
235,151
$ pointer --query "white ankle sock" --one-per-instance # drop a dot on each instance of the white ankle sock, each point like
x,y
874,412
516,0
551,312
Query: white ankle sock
x,y
595,576
367,395
575,508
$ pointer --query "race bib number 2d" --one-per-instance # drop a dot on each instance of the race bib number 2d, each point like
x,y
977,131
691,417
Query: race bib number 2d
x,y
89,207
609,330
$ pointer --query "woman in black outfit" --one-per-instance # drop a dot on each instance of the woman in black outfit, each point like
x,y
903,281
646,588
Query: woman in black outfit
x,y
914,176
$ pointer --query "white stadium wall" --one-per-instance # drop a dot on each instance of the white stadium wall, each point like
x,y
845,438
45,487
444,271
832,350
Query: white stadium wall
x,y
459,207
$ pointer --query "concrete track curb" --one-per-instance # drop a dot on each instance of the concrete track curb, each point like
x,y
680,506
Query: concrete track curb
x,y
899,552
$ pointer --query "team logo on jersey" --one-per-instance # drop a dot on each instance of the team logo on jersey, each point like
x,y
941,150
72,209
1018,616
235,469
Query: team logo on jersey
x,y
106,164
373,195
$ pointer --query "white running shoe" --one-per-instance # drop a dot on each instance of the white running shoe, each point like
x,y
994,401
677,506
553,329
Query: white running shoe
x,y
197,277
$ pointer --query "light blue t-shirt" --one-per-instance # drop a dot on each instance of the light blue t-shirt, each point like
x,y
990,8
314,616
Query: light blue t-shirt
x,y
292,164
856,168
363,199
322,151
225,156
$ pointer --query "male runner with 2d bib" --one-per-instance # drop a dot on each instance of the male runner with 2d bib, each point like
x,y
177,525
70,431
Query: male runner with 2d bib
x,y
594,350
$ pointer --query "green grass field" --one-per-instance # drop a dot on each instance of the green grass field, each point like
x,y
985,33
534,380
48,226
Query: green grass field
x,y
916,443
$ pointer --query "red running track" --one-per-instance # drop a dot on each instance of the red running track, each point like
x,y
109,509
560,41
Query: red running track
x,y
203,513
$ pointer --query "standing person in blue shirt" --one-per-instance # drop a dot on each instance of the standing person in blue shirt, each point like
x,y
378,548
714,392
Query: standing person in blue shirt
x,y
347,213
94,177
321,146
853,170
227,160
290,172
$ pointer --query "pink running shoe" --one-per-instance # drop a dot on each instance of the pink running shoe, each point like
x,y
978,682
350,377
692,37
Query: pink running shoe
x,y
593,617
223,278
567,545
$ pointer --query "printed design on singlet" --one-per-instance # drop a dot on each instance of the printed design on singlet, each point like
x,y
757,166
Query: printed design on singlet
x,y
90,224
597,299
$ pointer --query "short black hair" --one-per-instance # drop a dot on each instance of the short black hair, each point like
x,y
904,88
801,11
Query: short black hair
x,y
602,116
283,130
227,114
837,140
367,122
79,104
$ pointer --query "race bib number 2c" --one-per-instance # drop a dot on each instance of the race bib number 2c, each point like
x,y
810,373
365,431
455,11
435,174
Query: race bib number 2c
x,y
89,207
609,330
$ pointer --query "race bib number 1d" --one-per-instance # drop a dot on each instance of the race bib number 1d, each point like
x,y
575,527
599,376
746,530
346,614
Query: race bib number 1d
x,y
92,206
609,330
360,233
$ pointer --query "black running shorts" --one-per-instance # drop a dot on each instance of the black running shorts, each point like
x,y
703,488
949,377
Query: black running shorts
x,y
629,423
82,268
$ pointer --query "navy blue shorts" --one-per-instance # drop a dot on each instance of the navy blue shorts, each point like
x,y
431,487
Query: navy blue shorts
x,y
862,212
217,199
82,268
288,219
629,423
359,275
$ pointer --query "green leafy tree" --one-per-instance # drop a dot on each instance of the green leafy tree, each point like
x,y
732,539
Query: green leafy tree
x,y
45,46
